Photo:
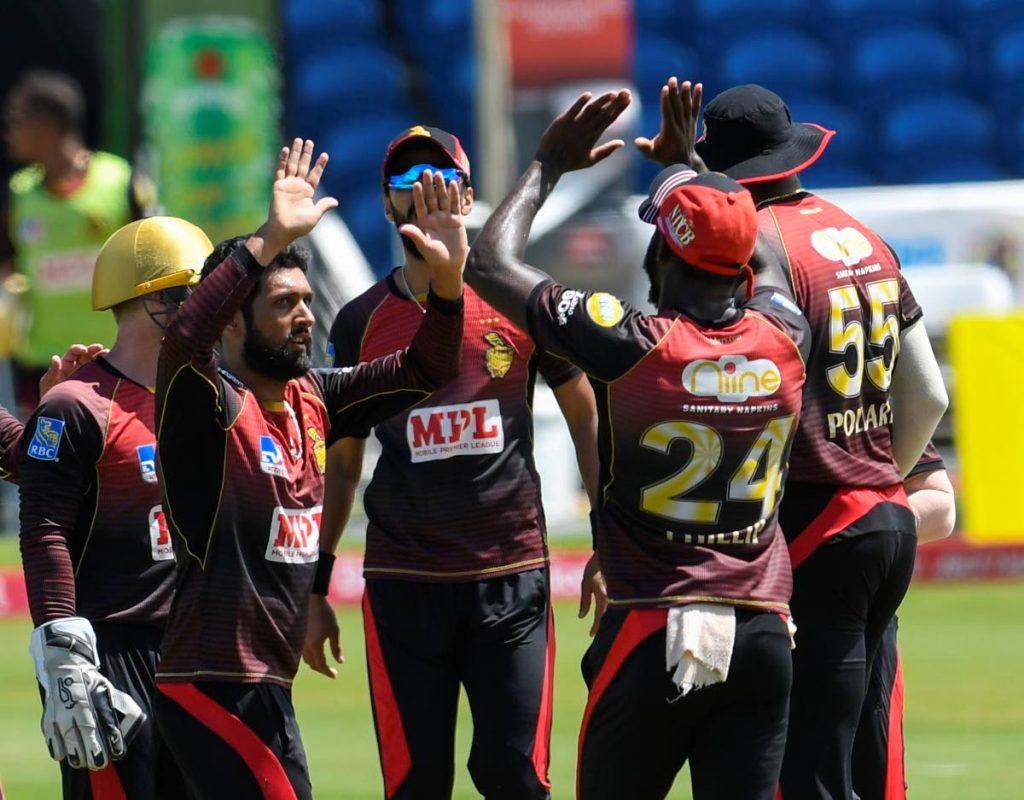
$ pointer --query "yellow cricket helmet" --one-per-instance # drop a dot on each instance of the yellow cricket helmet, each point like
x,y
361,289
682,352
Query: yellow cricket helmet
x,y
146,256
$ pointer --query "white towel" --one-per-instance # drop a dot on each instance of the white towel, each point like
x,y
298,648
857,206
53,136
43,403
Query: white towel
x,y
698,644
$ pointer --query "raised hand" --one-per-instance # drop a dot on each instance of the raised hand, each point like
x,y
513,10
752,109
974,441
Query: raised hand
x,y
439,232
675,142
293,213
62,366
569,142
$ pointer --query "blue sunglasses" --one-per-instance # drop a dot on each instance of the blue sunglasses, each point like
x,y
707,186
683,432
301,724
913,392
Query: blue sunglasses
x,y
408,178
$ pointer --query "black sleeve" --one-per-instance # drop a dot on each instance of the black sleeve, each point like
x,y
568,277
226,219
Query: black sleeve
x,y
361,396
344,346
57,470
593,330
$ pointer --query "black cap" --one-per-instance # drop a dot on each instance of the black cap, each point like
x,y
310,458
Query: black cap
x,y
750,135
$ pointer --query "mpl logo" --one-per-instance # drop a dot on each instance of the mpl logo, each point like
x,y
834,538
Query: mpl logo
x,y
732,379
147,462
160,535
467,429
271,459
294,535
848,245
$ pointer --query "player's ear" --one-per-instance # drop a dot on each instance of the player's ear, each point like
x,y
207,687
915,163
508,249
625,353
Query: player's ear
x,y
236,328
389,210
467,201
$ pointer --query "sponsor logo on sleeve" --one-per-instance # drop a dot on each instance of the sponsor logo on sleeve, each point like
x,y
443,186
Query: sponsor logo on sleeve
x,y
319,448
147,462
330,354
294,535
467,429
605,309
848,245
784,302
732,379
271,459
498,357
159,535
567,303
45,444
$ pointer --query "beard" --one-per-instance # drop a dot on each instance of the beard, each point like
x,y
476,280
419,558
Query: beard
x,y
278,363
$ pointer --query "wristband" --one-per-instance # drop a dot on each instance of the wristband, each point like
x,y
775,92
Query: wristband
x,y
322,579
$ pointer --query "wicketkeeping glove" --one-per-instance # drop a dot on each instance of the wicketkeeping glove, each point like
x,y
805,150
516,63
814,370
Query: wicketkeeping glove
x,y
85,718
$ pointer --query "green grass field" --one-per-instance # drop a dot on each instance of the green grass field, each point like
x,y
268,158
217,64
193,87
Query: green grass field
x,y
963,649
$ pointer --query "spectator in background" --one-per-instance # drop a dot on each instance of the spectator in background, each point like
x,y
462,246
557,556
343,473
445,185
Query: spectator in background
x,y
58,213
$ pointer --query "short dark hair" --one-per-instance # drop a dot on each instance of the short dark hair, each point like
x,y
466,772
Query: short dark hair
x,y
53,96
292,257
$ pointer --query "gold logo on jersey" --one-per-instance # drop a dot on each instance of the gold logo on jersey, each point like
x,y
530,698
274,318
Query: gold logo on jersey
x,y
319,448
498,357
605,309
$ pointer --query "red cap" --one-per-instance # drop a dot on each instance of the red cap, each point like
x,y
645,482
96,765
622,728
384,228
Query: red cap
x,y
448,143
708,220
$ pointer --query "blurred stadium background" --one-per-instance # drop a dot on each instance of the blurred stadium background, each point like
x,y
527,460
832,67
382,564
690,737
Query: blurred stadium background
x,y
927,97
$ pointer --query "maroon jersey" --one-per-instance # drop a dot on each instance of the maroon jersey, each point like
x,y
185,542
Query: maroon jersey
x,y
243,482
94,541
848,284
696,422
455,494
10,437
930,461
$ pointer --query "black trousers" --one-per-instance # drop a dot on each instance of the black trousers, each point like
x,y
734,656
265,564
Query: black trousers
x,y
844,597
495,638
638,732
128,658
878,753
237,740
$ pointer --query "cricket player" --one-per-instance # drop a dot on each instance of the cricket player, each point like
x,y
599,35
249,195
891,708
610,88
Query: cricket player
x,y
697,408
456,565
242,445
873,397
97,555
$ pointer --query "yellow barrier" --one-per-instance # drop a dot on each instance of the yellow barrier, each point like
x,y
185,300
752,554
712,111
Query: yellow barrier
x,y
987,355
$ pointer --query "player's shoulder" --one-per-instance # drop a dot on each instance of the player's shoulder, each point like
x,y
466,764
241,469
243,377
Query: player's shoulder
x,y
361,307
91,383
111,164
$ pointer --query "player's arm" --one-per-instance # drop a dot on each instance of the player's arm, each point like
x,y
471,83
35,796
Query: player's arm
x,y
495,269
931,496
576,400
341,481
918,397
85,718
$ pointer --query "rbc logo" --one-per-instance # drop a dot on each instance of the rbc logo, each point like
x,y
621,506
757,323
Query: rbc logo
x,y
45,444
271,460
147,462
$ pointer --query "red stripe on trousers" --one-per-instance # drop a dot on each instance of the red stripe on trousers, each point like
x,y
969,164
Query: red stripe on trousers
x,y
895,779
640,623
542,738
394,749
845,508
105,784
259,758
